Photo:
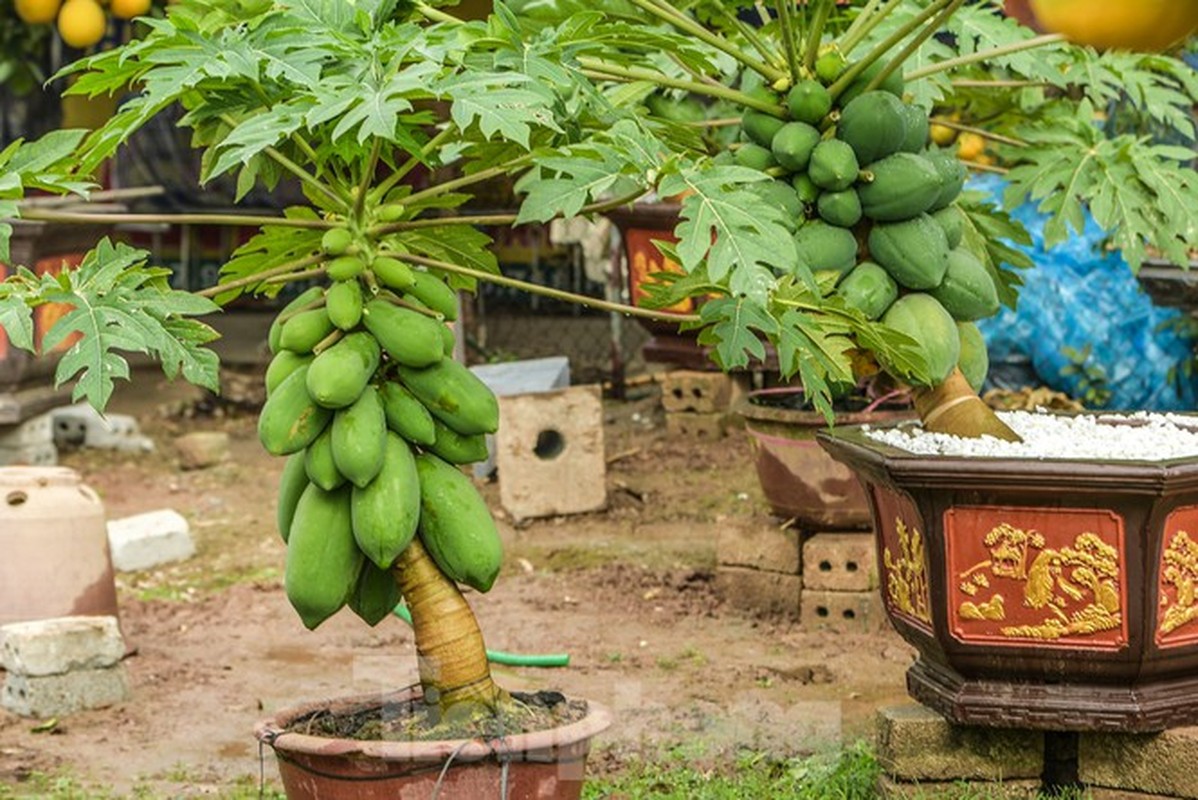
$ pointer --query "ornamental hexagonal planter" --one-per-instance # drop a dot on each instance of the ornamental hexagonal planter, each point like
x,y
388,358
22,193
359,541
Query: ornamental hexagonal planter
x,y
1050,594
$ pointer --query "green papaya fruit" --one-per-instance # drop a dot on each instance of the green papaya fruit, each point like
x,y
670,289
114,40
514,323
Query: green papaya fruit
x,y
454,395
760,127
456,526
974,361
782,196
344,268
914,251
359,439
344,302
338,375
952,176
809,102
409,337
869,289
283,364
447,340
829,65
456,448
839,208
434,293
393,273
805,188
833,166
291,485
375,595
318,462
874,125
793,144
336,241
903,186
290,420
952,220
406,415
826,247
967,291
386,510
301,333
917,130
893,83
754,156
323,561
922,318
276,327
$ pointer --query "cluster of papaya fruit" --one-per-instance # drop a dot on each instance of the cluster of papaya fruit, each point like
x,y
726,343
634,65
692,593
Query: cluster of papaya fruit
x,y
374,414
873,203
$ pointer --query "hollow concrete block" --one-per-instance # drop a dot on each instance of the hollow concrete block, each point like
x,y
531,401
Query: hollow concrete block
x,y
758,544
840,562
549,452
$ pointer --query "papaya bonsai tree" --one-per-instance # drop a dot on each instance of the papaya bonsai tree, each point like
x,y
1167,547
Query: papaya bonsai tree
x,y
830,229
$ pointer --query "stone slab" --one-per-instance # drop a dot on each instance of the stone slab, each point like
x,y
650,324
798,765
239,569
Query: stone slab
x,y
201,449
1025,789
699,392
840,562
59,645
845,612
915,744
550,453
80,425
760,592
35,454
59,695
148,540
37,430
758,544
1162,763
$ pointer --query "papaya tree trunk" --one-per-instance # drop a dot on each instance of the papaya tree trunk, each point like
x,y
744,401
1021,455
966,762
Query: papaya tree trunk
x,y
954,407
454,672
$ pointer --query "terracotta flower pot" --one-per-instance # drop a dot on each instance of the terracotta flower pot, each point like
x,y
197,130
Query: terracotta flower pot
x,y
799,479
1046,594
544,764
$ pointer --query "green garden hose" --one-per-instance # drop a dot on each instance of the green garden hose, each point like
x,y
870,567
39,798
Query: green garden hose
x,y
500,657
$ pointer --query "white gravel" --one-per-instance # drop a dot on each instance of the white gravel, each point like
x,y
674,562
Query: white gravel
x,y
1139,436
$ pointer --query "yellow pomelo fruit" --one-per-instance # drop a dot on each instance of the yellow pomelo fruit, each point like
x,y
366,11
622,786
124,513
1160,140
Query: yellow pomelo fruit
x,y
37,12
128,9
81,23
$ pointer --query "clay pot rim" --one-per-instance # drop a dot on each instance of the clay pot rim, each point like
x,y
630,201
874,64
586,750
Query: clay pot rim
x,y
272,731
809,418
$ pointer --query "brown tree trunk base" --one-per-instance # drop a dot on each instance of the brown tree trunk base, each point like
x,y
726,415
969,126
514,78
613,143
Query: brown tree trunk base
x,y
954,407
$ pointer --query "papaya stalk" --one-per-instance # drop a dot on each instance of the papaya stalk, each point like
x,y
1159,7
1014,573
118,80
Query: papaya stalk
x,y
452,657
954,407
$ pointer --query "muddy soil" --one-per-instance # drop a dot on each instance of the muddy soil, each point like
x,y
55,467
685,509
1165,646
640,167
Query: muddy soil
x,y
628,593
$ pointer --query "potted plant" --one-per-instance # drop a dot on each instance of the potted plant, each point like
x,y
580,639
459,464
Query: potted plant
x,y
351,98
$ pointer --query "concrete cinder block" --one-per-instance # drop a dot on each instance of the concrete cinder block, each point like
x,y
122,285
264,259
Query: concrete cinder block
x,y
840,562
703,427
58,695
148,540
914,743
758,544
37,430
847,612
81,425
34,454
549,450
1025,789
760,592
519,377
202,449
696,392
1160,763
55,646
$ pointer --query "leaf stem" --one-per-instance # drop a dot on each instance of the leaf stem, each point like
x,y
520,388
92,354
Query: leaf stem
x,y
759,44
815,34
982,55
261,277
789,40
865,13
985,167
497,219
367,178
985,134
411,164
296,276
883,47
853,38
603,69
436,15
913,45
396,300
295,312
468,180
969,83
295,169
668,14
47,215
545,291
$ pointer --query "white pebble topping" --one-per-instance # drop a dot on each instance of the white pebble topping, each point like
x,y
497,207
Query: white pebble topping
x,y
1139,436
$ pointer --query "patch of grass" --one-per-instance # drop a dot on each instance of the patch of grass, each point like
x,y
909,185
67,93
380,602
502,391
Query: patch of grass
x,y
185,585
40,786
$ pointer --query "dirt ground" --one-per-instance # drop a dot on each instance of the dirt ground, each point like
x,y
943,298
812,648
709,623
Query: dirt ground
x,y
628,593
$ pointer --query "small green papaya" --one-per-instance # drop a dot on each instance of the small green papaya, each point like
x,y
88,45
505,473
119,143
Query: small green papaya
x,y
323,561
874,125
290,420
456,448
952,176
375,595
922,318
826,247
779,194
809,102
359,438
283,364
793,144
344,268
840,208
952,219
904,185
974,361
409,337
833,166
344,302
456,526
869,289
318,462
406,415
338,375
291,485
454,395
914,251
386,510
302,332
755,156
917,131
434,293
760,127
967,291
310,295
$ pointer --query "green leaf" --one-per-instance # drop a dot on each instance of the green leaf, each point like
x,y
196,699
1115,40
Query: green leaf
x,y
729,325
457,244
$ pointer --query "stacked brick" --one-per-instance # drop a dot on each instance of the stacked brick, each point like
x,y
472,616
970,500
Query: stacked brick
x,y
825,581
698,404
29,443
58,666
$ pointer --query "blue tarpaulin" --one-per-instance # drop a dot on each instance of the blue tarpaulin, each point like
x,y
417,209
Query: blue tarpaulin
x,y
1078,294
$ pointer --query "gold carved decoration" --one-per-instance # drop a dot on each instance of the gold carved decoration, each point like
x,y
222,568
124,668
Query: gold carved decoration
x,y
1181,572
1077,587
906,575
